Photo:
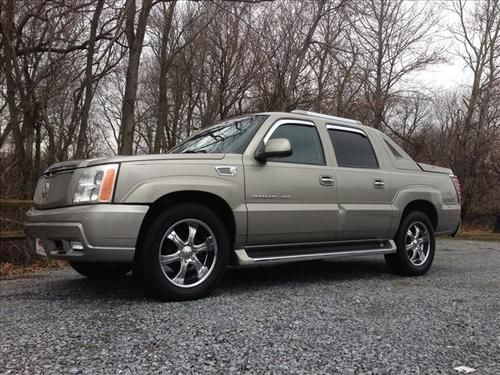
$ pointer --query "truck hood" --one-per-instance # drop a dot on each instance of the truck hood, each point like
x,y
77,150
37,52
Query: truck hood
x,y
73,164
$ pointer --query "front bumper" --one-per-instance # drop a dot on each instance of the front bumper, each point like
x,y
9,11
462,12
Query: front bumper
x,y
90,233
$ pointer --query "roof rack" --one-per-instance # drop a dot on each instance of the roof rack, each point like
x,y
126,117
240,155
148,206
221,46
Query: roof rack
x,y
338,120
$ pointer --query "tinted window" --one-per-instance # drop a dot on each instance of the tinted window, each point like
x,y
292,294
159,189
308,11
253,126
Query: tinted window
x,y
305,142
353,149
232,137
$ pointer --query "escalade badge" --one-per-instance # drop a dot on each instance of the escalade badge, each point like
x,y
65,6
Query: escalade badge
x,y
45,189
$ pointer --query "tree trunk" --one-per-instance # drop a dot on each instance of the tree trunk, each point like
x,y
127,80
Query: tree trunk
x,y
162,89
88,83
135,39
13,81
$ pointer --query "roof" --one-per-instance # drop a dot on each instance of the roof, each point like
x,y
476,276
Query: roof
x,y
328,119
336,119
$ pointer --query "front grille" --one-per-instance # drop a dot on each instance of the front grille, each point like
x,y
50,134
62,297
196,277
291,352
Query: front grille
x,y
53,190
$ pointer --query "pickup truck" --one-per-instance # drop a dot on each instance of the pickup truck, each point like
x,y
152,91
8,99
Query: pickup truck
x,y
262,188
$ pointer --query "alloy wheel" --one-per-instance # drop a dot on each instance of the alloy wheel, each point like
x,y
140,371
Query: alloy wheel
x,y
188,253
417,243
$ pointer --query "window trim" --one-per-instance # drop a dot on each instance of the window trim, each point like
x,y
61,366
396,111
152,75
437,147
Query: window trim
x,y
281,122
356,131
278,123
346,129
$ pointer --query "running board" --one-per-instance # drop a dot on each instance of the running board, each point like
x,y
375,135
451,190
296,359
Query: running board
x,y
292,253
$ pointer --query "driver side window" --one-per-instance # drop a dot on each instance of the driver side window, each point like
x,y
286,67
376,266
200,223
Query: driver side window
x,y
305,142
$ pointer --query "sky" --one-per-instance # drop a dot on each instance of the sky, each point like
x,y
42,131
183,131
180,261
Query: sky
x,y
445,76
453,73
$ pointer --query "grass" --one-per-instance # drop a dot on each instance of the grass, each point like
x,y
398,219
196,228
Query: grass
x,y
16,203
478,235
13,271
12,235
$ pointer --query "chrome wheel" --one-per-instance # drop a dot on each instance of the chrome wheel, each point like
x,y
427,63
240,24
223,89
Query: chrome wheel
x,y
418,243
188,253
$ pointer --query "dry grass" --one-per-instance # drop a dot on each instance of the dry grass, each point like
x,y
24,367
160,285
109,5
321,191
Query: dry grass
x,y
16,203
13,271
478,235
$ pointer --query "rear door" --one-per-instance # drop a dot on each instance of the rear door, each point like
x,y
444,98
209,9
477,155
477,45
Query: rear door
x,y
363,188
291,199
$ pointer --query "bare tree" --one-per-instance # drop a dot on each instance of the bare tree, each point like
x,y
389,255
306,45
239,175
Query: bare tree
x,y
479,33
135,38
394,38
88,80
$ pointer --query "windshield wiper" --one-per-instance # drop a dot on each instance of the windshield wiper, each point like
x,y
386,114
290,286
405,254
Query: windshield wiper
x,y
194,151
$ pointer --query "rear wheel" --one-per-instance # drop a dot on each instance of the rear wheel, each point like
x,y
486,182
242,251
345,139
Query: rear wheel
x,y
415,246
184,253
101,270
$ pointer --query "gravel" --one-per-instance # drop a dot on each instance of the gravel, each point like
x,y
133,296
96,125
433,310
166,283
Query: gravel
x,y
346,317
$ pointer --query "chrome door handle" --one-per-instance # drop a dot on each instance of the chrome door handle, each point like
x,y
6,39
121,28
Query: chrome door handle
x,y
326,180
378,184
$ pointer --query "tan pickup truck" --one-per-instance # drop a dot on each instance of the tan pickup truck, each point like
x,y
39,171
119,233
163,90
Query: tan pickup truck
x,y
258,189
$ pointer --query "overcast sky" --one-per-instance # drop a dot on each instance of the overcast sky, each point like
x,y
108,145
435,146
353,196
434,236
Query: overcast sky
x,y
454,73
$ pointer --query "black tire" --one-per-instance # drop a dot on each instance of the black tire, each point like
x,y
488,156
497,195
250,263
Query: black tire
x,y
401,262
101,270
160,281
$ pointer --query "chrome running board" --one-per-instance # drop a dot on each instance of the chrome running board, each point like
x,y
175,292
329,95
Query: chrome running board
x,y
243,258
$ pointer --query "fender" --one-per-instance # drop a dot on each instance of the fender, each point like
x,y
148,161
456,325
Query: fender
x,y
226,188
408,194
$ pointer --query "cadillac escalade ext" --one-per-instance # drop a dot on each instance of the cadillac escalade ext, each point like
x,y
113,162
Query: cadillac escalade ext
x,y
258,189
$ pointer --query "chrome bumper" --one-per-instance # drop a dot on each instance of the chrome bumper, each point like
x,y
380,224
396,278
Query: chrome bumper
x,y
91,233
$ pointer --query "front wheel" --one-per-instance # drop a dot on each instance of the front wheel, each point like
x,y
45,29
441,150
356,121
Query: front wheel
x,y
415,246
184,253
101,270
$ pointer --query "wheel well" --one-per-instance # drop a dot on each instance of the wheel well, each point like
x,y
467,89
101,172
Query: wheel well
x,y
212,201
423,206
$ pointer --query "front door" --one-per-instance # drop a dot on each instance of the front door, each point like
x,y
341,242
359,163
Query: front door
x,y
291,199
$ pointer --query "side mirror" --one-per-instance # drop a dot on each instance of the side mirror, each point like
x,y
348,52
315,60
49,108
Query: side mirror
x,y
274,148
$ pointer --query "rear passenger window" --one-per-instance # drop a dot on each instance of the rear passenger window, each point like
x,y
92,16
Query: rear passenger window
x,y
305,142
352,150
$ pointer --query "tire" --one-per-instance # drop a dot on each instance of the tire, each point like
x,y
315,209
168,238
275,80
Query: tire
x,y
415,250
194,247
101,270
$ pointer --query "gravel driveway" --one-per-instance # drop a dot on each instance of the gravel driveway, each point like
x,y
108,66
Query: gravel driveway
x,y
346,316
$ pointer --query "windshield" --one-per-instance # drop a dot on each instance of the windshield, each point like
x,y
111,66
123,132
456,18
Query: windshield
x,y
228,137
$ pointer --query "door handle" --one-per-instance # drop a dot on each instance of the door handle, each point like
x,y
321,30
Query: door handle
x,y
378,184
326,180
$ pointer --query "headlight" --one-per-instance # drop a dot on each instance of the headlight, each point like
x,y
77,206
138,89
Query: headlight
x,y
96,184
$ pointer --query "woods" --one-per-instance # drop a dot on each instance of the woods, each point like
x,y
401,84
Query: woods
x,y
100,77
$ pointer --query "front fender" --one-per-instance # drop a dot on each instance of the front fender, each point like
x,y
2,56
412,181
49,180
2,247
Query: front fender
x,y
151,190
146,183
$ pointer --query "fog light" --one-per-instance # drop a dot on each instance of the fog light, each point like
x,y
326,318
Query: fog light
x,y
76,245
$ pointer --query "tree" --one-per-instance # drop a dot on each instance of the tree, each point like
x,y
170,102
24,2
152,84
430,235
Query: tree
x,y
394,38
479,129
135,38
89,80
